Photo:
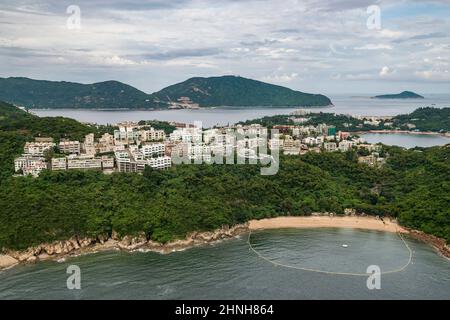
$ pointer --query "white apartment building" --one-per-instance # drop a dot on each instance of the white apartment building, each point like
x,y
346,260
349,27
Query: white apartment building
x,y
252,130
154,149
188,135
59,163
313,141
199,152
275,143
37,148
105,143
346,145
159,163
30,165
152,135
71,147
88,146
107,163
84,163
126,135
330,146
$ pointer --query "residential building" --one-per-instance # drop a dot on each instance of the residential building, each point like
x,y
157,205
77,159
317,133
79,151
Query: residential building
x,y
88,146
70,147
153,150
38,148
59,163
346,145
84,163
30,165
330,146
152,135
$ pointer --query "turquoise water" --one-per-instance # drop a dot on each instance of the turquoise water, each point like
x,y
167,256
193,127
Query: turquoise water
x,y
229,270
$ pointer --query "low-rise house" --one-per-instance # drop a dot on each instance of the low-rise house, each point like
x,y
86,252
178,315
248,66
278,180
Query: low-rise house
x,y
372,160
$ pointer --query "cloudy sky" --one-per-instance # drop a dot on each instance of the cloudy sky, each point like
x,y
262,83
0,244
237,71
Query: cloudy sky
x,y
311,45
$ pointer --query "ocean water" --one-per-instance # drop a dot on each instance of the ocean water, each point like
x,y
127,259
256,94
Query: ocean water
x,y
229,270
343,104
406,140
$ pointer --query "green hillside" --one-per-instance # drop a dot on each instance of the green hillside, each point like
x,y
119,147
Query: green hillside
x,y
403,95
238,91
52,94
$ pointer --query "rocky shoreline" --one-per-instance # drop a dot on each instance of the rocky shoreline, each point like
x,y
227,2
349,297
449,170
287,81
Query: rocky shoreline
x,y
438,244
78,246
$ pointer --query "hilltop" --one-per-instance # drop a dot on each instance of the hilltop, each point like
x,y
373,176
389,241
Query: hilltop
x,y
193,93
403,95
238,91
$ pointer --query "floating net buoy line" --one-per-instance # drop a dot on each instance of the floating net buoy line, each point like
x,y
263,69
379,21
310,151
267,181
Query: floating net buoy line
x,y
278,264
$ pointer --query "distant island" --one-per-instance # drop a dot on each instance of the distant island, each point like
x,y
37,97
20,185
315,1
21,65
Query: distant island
x,y
190,94
403,95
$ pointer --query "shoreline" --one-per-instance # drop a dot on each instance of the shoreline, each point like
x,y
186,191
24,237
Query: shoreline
x,y
73,247
353,222
424,133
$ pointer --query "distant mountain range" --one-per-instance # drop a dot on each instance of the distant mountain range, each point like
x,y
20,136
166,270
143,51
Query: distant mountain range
x,y
403,95
192,93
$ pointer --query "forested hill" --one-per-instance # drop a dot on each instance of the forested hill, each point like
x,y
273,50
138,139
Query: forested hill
x,y
206,92
422,119
413,186
60,94
18,126
238,91
402,95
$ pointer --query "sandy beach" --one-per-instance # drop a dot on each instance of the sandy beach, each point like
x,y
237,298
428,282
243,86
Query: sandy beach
x,y
358,222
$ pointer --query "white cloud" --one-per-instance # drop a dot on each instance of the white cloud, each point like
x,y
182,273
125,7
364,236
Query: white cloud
x,y
372,46
385,71
162,41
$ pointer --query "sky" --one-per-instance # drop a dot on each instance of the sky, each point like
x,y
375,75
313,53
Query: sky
x,y
328,47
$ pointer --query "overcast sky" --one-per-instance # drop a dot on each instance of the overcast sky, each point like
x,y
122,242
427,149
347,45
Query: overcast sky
x,y
312,46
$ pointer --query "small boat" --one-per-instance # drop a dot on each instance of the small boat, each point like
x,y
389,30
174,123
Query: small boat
x,y
345,245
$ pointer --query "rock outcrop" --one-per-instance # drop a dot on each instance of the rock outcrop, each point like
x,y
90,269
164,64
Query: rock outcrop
x,y
7,261
58,249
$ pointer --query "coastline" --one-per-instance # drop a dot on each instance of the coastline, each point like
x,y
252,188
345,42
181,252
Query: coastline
x,y
73,247
354,222
426,133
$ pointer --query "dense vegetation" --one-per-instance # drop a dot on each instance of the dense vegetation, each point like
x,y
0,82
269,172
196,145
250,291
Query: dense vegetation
x,y
208,92
402,95
413,186
60,94
158,125
238,91
17,127
424,119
